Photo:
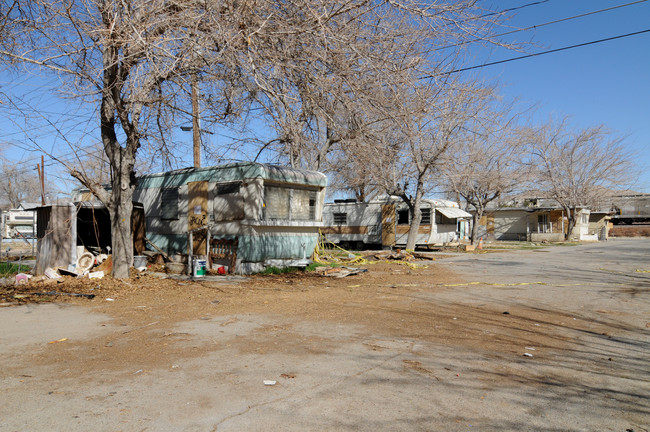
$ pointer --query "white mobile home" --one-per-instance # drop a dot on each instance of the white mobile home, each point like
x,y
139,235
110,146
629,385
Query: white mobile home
x,y
273,212
19,222
386,222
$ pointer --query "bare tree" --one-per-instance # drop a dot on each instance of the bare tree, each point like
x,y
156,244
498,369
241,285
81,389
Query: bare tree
x,y
488,162
311,65
361,65
427,131
579,168
18,183
130,58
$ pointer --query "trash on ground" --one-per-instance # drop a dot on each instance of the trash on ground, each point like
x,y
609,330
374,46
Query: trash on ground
x,y
270,382
96,275
58,340
22,278
528,355
397,255
51,273
339,272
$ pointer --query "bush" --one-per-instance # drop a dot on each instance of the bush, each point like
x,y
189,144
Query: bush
x,y
277,270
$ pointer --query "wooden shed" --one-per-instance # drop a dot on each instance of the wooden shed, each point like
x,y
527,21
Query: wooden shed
x,y
61,228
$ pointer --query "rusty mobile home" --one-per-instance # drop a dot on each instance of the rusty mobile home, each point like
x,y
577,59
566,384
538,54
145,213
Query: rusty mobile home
x,y
272,212
386,220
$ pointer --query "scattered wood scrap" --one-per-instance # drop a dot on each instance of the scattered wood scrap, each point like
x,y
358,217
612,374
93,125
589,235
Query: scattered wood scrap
x,y
397,255
339,272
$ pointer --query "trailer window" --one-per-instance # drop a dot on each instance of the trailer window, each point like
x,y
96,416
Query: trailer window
x,y
227,188
289,203
303,204
169,203
443,220
403,217
426,216
340,218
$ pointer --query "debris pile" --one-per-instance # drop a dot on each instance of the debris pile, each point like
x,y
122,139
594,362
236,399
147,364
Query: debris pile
x,y
339,272
92,266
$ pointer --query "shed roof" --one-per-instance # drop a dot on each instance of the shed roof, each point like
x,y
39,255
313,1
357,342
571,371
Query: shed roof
x,y
232,172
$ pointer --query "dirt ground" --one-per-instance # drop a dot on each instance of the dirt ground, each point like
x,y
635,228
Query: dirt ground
x,y
383,300
144,325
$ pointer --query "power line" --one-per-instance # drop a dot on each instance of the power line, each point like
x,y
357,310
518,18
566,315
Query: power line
x,y
513,8
536,54
536,26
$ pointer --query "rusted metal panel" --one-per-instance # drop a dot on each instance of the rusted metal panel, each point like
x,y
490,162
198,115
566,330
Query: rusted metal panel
x,y
57,229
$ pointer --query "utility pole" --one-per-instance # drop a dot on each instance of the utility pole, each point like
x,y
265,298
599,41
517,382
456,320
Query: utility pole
x,y
41,176
196,126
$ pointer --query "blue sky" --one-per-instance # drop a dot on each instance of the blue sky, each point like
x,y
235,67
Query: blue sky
x,y
606,83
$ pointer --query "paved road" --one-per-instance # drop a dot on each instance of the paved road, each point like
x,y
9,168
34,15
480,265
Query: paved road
x,y
602,262
591,374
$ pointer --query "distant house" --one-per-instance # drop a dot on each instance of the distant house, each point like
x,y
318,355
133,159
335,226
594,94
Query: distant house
x,y
541,221
273,212
19,222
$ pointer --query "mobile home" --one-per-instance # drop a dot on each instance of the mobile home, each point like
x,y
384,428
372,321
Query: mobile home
x,y
273,212
386,222
19,222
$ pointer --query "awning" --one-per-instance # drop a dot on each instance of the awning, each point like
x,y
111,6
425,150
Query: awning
x,y
453,213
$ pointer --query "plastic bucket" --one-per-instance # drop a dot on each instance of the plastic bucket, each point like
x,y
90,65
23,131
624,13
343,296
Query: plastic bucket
x,y
139,261
199,267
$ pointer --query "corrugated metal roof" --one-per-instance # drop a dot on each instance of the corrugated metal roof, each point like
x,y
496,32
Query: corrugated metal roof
x,y
232,172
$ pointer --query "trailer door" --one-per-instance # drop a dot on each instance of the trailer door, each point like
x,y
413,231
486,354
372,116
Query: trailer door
x,y
388,225
197,216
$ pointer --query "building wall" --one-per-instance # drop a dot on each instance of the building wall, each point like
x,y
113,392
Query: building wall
x,y
504,224
599,225
362,222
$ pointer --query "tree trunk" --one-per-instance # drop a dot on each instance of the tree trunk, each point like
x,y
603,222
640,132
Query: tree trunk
x,y
416,217
122,234
121,212
571,219
475,221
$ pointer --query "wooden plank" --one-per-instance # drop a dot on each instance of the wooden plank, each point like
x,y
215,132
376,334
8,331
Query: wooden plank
x,y
197,213
388,224
423,229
